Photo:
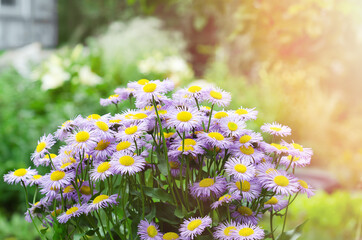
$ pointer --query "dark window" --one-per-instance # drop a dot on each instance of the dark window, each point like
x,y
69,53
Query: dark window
x,y
8,2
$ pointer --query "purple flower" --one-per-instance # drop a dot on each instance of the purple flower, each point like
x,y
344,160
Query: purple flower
x,y
74,211
102,201
209,187
193,227
248,232
276,129
148,231
19,175
43,147
224,230
280,182
125,163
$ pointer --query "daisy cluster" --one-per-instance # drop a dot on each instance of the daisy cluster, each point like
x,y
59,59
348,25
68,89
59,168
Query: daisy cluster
x,y
185,143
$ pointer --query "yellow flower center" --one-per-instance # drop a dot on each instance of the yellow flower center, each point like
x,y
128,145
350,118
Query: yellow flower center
x,y
41,146
270,170
194,224
207,182
244,139
56,212
140,116
113,96
68,189
152,231
228,230
102,126
101,145
245,211
65,165
52,155
103,167
245,186
123,145
278,146
186,148
100,198
220,115
194,89
184,116
57,175
232,126
142,81
241,111
216,136
114,121
227,196
246,232
190,141
215,94
272,201
162,112
71,210
94,116
168,135
295,159
247,150
82,136
36,177
275,129
131,130
20,172
126,160
170,236
281,181
241,168
150,87
86,190
303,184
174,165
297,146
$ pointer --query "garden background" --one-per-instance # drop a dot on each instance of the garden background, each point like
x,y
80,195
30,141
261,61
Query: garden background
x,y
298,62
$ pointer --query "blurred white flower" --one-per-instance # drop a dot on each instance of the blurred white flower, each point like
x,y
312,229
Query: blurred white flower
x,y
54,78
87,77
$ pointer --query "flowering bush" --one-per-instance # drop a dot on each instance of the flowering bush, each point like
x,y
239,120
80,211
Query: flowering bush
x,y
170,168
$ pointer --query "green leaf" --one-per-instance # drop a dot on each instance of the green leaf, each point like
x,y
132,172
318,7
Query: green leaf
x,y
162,164
158,193
44,230
90,232
293,234
165,212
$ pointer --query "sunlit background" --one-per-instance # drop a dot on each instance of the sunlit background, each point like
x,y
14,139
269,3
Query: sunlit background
x,y
298,62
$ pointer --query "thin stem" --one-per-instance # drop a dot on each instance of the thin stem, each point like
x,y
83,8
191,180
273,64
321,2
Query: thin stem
x,y
271,224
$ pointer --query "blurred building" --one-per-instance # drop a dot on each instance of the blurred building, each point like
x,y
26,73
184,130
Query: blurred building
x,y
26,21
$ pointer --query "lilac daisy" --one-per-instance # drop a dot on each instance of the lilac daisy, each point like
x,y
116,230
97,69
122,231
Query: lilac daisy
x,y
274,148
226,198
74,211
224,230
294,161
132,132
248,232
124,163
249,137
57,179
276,129
101,171
276,203
299,151
82,138
103,148
184,119
248,189
125,145
112,99
280,182
217,96
240,169
148,231
248,153
102,201
193,227
208,187
244,214
305,188
265,168
34,180
20,175
232,126
44,144
246,113
45,161
64,130
215,139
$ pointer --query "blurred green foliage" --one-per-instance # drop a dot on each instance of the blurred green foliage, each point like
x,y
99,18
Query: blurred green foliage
x,y
336,216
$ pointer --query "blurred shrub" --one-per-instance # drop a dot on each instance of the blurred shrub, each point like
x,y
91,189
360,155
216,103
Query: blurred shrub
x,y
337,216
16,228
125,49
